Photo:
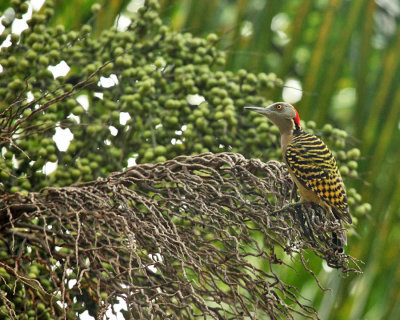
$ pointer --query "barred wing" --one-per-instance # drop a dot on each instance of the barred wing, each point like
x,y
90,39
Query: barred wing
x,y
315,167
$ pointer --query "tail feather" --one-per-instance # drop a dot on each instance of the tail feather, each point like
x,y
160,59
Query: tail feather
x,y
341,234
340,216
337,242
339,238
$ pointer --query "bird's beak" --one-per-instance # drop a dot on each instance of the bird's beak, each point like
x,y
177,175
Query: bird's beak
x,y
264,111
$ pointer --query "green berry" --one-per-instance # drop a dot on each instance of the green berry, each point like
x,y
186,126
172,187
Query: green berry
x,y
14,189
160,150
95,8
43,60
360,210
161,159
149,155
341,155
212,37
78,110
8,155
344,170
42,152
367,207
354,153
327,129
352,165
53,158
4,175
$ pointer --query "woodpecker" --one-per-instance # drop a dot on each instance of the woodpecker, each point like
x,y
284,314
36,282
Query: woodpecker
x,y
311,165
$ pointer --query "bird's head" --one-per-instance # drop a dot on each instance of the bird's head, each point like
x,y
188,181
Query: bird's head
x,y
282,114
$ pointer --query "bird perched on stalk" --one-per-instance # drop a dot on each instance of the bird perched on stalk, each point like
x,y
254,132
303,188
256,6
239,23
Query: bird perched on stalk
x,y
311,165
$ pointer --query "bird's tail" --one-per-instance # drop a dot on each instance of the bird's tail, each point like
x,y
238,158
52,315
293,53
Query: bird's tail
x,y
339,235
339,238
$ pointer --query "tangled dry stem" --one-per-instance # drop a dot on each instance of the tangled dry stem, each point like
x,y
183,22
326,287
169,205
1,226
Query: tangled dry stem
x,y
196,237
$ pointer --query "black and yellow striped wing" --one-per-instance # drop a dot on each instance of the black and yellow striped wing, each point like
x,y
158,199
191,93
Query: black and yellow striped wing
x,y
315,167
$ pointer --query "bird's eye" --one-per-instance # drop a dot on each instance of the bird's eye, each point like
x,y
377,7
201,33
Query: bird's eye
x,y
278,107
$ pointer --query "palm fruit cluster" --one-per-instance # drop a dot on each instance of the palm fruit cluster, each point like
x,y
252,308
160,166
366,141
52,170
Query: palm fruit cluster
x,y
174,87
161,75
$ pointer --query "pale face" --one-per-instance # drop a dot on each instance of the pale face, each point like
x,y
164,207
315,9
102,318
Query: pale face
x,y
280,113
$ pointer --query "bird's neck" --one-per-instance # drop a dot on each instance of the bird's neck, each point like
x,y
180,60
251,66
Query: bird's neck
x,y
288,132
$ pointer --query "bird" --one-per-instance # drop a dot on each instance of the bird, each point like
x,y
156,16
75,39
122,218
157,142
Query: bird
x,y
311,165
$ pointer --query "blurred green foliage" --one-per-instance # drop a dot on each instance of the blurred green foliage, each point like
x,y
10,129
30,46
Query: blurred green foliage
x,y
344,53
